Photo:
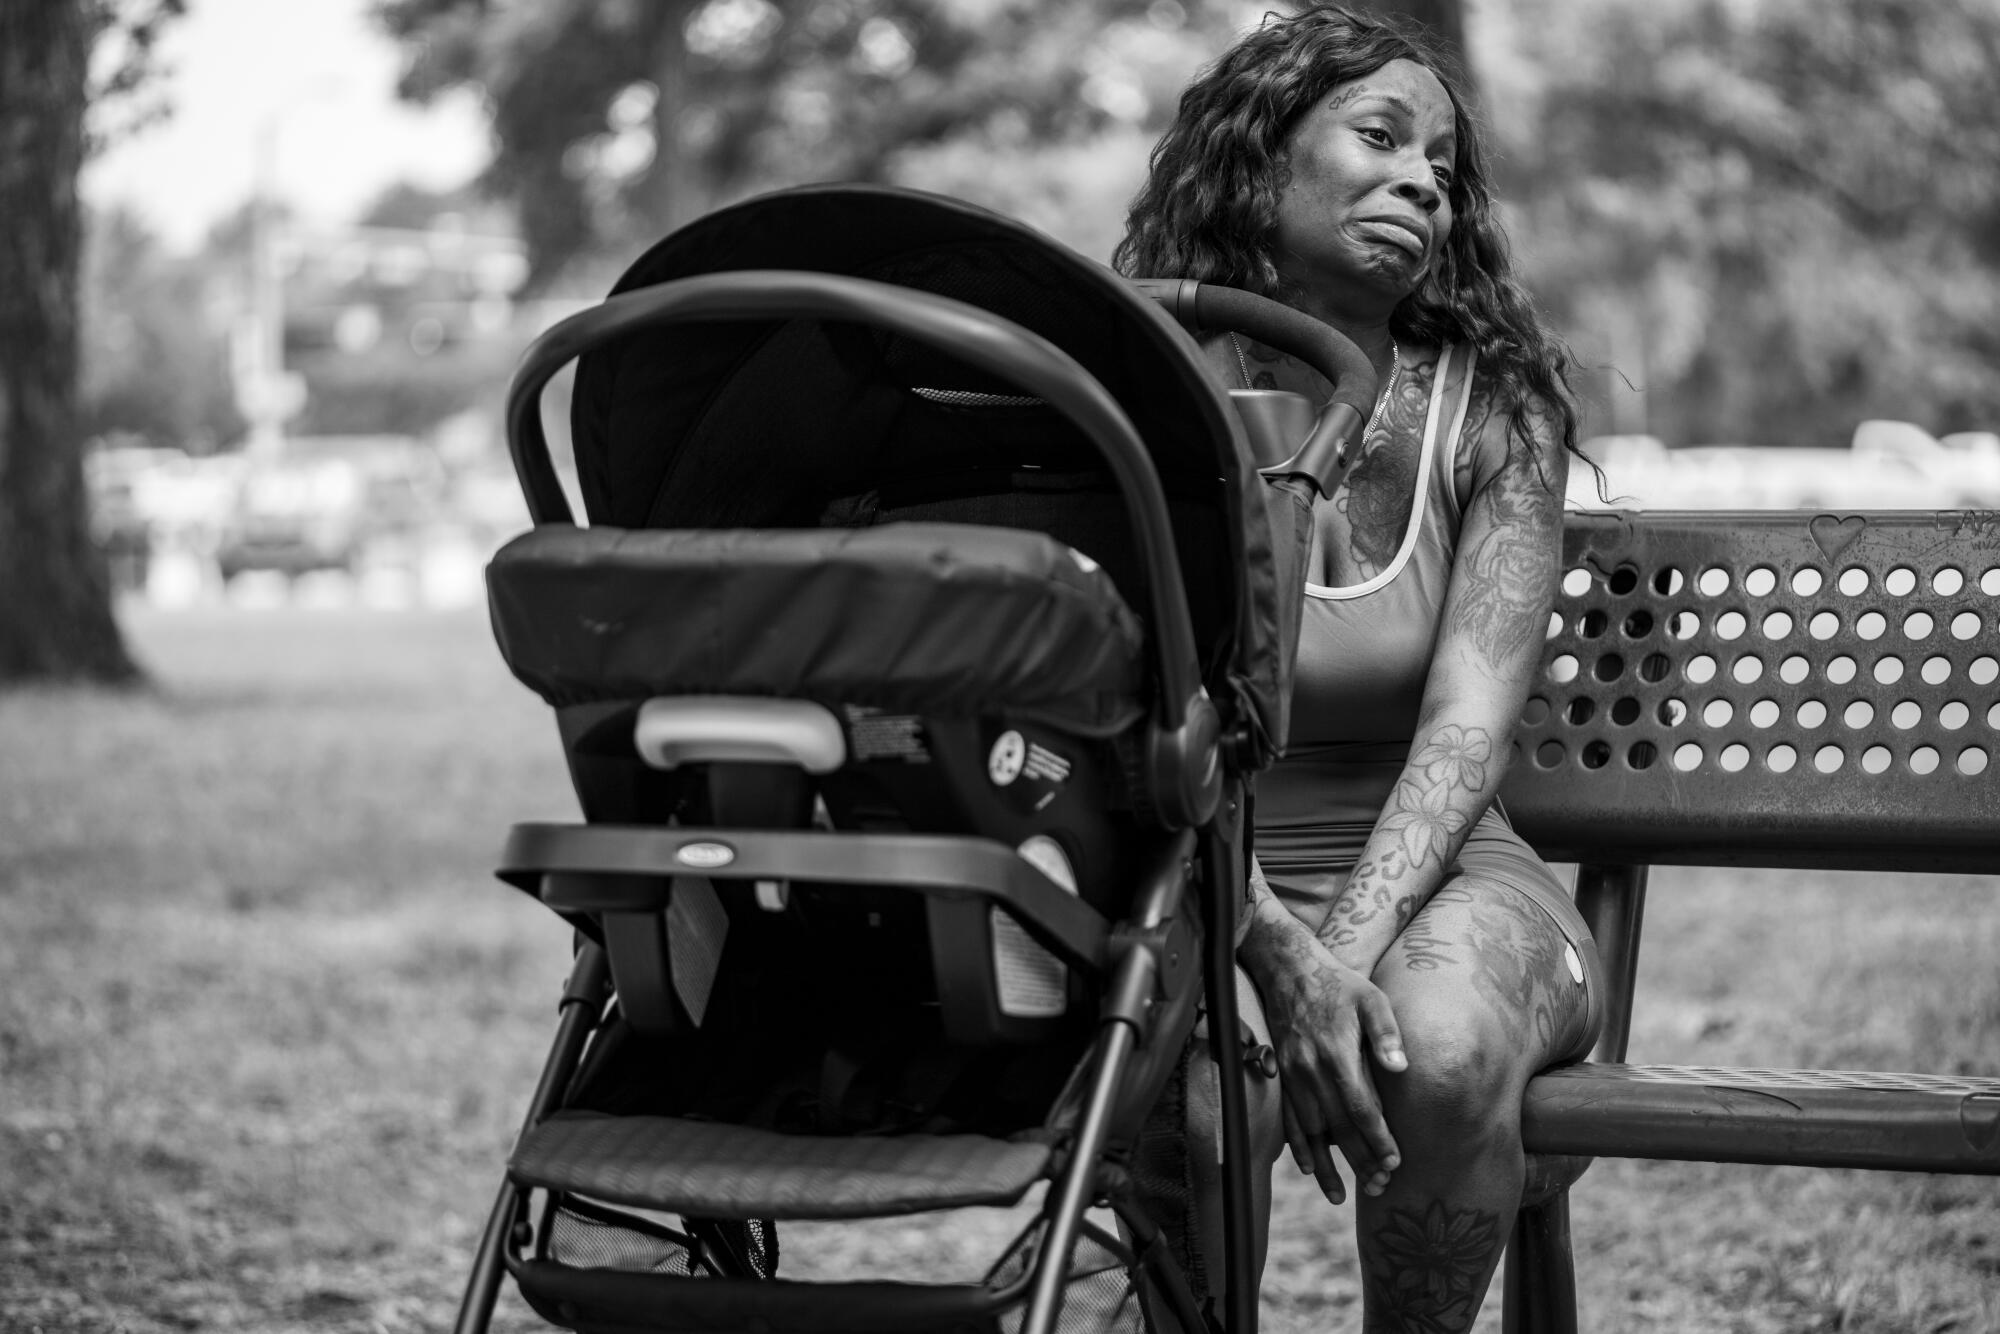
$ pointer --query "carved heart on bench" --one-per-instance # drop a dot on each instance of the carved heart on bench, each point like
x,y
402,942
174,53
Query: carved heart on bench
x,y
1835,533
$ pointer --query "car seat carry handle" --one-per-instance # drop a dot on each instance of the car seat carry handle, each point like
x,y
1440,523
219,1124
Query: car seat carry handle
x,y
1323,459
975,336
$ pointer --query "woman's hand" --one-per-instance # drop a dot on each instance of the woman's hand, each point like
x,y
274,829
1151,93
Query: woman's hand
x,y
1326,1020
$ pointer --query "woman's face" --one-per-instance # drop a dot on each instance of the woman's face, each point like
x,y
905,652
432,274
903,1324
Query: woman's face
x,y
1368,206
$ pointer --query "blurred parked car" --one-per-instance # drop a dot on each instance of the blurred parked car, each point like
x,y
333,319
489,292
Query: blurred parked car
x,y
148,503
1888,466
1963,469
330,503
115,475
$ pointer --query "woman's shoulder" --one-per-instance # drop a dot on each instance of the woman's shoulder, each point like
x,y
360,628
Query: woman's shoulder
x,y
1507,424
1510,409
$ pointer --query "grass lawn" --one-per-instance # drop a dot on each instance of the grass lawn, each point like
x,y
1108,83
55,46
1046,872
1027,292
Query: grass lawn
x,y
267,1024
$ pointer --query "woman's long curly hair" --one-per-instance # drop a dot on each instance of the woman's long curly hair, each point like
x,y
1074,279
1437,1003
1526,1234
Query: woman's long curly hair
x,y
1209,208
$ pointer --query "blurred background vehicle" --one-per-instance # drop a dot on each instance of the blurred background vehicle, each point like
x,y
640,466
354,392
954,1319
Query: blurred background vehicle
x,y
331,503
1888,465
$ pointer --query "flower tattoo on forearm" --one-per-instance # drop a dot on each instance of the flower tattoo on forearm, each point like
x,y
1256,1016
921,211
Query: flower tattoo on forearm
x,y
1426,819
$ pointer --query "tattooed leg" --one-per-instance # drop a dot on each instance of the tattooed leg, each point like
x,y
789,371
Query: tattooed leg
x,y
1484,999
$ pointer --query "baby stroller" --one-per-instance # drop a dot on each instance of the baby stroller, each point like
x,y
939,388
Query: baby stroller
x,y
931,621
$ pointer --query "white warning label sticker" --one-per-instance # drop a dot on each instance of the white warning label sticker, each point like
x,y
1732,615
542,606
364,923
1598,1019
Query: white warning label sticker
x,y
1033,983
1045,764
886,736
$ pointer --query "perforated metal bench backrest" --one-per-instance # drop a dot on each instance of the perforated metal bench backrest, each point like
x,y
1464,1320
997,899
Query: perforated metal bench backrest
x,y
1769,688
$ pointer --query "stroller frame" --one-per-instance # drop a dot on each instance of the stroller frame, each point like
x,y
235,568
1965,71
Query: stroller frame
x,y
1194,765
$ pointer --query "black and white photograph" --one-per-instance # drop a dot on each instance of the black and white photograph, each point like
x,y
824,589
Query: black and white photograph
x,y
999,666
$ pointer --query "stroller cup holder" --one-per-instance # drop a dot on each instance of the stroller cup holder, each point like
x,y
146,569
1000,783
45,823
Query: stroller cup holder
x,y
930,625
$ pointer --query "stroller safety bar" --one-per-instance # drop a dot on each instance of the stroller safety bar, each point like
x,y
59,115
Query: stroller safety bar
x,y
686,729
630,869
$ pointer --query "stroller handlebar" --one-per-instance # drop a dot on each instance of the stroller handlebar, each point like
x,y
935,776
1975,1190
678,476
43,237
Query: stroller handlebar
x,y
978,337
1323,459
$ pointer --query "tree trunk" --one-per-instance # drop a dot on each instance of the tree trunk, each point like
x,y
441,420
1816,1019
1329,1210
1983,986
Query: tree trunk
x,y
55,591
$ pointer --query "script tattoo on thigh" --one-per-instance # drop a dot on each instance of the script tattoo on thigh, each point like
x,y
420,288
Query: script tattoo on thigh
x,y
1424,949
1427,1268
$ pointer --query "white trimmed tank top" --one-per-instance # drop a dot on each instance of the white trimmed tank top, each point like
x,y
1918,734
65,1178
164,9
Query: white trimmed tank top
x,y
1365,649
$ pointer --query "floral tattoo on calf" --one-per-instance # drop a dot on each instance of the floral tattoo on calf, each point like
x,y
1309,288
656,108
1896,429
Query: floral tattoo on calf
x,y
1427,1268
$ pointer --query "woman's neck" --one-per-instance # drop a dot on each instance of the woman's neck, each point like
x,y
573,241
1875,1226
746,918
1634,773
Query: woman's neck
x,y
1369,332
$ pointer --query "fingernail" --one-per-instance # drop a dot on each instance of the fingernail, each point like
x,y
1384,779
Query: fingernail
x,y
1390,1164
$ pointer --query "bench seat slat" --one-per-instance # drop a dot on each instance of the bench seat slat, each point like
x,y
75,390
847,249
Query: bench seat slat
x,y
1807,1118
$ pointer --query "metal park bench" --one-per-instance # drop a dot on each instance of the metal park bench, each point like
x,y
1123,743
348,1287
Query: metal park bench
x,y
1754,689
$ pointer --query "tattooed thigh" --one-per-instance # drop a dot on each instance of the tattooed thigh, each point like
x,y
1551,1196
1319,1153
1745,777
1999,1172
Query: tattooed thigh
x,y
1496,943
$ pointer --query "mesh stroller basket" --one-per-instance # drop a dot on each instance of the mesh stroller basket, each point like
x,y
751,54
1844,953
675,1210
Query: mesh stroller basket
x,y
931,619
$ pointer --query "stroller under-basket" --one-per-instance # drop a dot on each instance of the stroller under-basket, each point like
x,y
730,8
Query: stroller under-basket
x,y
933,615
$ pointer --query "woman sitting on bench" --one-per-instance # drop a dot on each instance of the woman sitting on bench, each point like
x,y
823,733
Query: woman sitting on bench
x,y
1416,961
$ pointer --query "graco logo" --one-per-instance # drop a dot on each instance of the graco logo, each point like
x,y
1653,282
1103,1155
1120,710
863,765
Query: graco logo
x,y
707,856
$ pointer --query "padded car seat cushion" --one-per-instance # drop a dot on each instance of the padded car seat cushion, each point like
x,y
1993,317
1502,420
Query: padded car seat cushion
x,y
930,618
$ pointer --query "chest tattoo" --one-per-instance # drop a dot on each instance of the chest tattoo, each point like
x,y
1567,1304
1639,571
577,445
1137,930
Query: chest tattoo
x,y
1376,504
1381,490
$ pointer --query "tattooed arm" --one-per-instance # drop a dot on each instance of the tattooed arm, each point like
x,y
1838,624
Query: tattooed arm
x,y
1489,639
1322,1004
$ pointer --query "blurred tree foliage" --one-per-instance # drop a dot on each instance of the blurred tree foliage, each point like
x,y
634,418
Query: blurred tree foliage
x,y
1444,19
616,120
1777,217
398,381
1772,218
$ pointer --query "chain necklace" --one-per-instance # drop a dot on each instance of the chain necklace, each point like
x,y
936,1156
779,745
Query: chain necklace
x,y
1381,403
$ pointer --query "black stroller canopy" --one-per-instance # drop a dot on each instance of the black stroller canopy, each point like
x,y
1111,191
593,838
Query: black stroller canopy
x,y
774,423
